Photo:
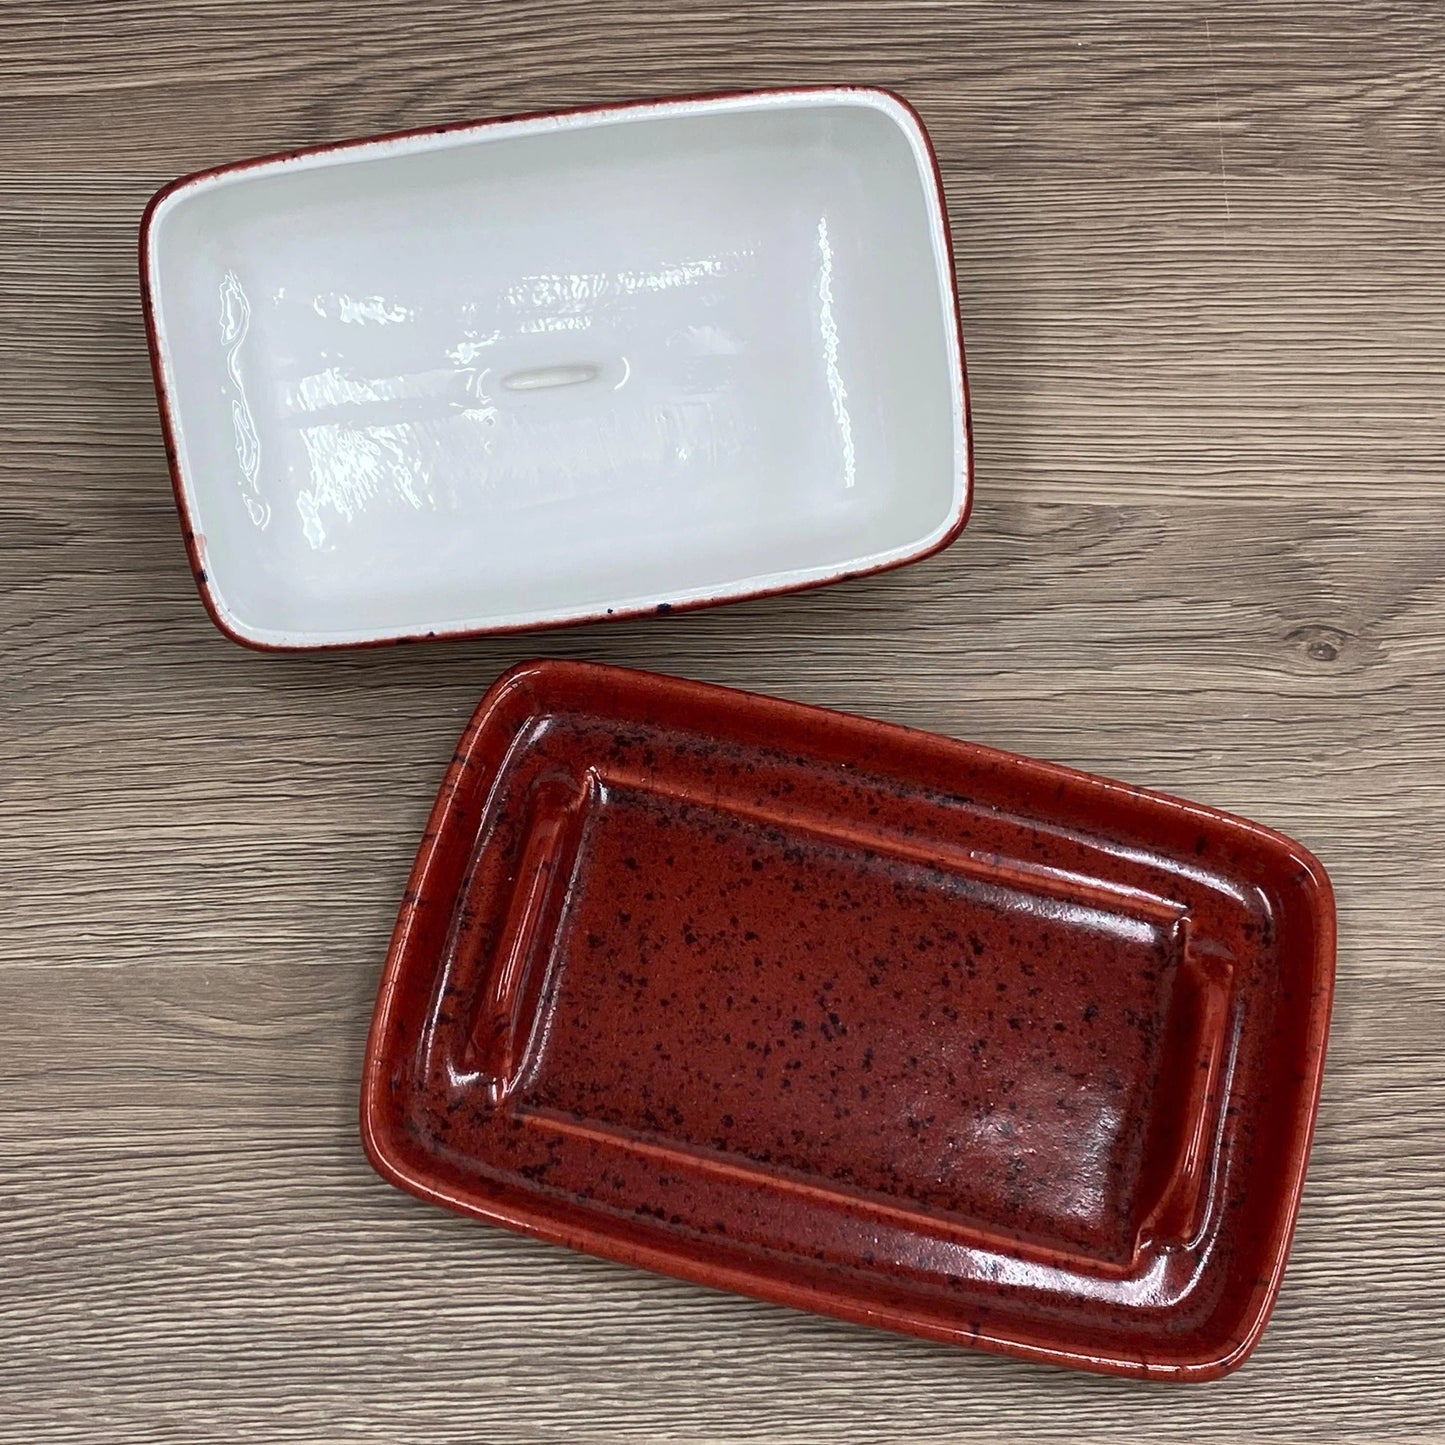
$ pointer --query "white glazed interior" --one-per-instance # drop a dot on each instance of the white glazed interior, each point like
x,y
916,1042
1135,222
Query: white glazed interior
x,y
548,369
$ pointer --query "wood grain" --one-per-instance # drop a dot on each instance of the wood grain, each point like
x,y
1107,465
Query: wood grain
x,y
1200,258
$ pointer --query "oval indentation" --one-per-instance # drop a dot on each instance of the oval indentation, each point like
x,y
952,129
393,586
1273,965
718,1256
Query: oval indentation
x,y
544,378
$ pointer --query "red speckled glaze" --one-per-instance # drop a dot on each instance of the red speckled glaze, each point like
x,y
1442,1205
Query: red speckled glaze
x,y
857,1019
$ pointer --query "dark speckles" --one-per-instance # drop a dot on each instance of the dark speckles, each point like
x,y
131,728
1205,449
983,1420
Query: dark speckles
x,y
663,608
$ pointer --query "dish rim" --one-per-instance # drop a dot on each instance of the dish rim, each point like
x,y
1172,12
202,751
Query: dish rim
x,y
889,102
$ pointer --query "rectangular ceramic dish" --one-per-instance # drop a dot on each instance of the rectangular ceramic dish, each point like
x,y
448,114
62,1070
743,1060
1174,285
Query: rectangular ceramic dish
x,y
857,1019
560,367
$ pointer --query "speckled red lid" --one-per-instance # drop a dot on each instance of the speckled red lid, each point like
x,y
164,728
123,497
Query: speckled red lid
x,y
857,1019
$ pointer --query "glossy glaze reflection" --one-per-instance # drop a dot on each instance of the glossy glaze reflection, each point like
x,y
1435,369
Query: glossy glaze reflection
x,y
541,370
857,1019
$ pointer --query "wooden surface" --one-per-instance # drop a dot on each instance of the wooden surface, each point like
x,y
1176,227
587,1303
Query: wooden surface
x,y
1200,255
